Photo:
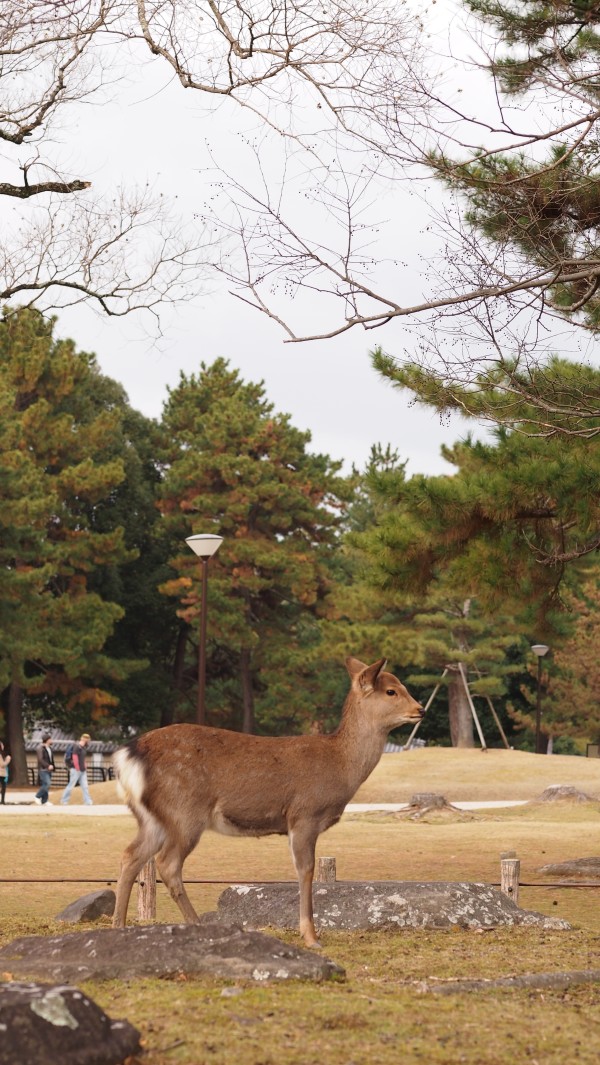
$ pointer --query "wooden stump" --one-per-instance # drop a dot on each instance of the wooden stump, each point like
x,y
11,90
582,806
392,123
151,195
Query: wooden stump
x,y
326,871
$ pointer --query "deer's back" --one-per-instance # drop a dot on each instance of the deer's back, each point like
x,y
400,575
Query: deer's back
x,y
239,784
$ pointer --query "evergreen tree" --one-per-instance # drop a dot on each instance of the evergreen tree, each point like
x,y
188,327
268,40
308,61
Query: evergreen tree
x,y
149,631
469,568
570,677
241,470
55,473
432,638
534,496
544,207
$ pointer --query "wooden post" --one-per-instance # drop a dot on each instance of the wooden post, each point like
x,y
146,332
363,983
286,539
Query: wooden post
x,y
498,723
147,892
326,873
510,869
461,670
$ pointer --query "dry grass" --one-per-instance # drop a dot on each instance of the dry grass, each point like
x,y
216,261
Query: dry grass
x,y
473,775
459,775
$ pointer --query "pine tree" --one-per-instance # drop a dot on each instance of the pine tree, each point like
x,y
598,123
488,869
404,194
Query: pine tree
x,y
544,207
55,472
241,470
496,535
570,675
531,494
149,631
431,636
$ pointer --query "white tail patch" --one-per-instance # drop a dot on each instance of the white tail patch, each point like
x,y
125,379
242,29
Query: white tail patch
x,y
130,777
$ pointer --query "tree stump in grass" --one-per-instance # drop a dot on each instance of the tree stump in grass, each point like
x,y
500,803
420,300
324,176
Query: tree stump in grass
x,y
427,804
427,800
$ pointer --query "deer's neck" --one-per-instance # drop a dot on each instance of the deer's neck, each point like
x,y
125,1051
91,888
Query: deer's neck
x,y
360,742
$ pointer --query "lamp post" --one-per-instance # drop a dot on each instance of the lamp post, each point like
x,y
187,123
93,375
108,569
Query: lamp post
x,y
539,649
205,545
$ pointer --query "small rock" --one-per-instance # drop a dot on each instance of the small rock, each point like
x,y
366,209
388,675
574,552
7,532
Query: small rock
x,y
46,1025
89,907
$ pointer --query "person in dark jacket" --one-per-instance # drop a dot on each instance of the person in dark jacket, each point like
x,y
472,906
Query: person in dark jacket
x,y
45,769
78,772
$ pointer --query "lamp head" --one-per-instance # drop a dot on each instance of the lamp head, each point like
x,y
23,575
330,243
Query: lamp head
x,y
540,649
205,545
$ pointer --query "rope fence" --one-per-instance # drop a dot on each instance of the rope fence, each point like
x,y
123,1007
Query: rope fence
x,y
241,880
325,872
509,883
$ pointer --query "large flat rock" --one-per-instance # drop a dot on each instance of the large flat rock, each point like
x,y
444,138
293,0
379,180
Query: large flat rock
x,y
212,948
42,1025
380,904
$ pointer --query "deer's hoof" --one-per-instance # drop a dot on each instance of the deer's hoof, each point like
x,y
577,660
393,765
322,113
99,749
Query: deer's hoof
x,y
313,944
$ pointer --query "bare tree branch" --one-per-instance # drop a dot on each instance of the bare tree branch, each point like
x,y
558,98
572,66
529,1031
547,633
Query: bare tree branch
x,y
23,192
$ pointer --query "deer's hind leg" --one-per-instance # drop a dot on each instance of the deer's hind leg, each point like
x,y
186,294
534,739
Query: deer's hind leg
x,y
169,862
148,841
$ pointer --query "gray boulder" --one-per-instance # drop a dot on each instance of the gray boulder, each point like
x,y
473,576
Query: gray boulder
x,y
563,793
576,868
380,904
211,948
45,1025
89,907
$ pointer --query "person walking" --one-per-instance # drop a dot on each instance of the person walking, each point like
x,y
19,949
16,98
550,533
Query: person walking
x,y
45,760
4,764
78,772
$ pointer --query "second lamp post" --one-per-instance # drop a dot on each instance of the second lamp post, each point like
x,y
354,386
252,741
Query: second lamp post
x,y
539,649
205,545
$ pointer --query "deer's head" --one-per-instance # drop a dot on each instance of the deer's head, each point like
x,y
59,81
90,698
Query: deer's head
x,y
381,695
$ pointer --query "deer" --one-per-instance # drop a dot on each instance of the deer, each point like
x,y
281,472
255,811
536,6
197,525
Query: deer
x,y
182,779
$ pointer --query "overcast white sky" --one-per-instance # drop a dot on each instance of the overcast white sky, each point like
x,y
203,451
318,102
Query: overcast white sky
x,y
156,132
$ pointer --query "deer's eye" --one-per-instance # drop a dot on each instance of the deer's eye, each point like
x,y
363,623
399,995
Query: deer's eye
x,y
390,691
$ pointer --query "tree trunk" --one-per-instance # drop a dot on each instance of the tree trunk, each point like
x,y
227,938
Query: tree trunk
x,y
167,714
14,735
461,718
247,690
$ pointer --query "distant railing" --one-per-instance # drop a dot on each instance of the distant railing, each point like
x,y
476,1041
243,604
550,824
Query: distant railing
x,y
96,774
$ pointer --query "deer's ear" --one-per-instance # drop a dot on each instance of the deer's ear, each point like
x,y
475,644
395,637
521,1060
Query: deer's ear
x,y
369,675
355,667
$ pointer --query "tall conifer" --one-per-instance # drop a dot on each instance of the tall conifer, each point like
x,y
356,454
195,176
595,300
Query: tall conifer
x,y
239,469
55,470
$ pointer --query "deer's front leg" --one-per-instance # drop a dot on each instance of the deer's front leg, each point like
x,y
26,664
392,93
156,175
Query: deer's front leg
x,y
303,840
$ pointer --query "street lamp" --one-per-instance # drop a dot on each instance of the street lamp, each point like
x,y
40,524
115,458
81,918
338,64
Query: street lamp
x,y
205,545
539,649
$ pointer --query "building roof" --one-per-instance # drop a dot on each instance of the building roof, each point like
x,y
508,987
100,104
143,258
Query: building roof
x,y
61,740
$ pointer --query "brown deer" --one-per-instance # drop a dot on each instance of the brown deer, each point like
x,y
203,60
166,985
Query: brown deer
x,y
182,779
